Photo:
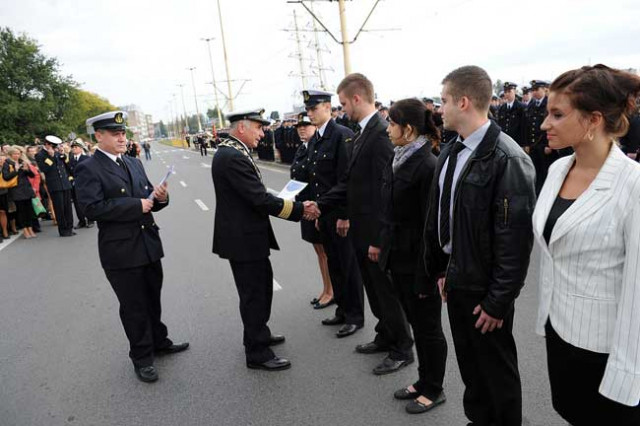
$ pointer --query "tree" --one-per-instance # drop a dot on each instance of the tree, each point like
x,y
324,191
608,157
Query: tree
x,y
84,105
163,129
498,86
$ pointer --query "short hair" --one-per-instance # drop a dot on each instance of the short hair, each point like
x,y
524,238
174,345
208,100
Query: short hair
x,y
470,81
357,83
599,88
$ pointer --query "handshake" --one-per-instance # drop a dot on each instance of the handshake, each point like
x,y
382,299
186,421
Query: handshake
x,y
311,210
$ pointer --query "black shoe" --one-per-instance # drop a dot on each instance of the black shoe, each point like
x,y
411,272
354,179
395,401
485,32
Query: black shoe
x,y
89,224
147,374
371,348
324,305
348,330
274,364
173,349
335,320
73,233
390,366
314,300
416,407
66,234
276,339
405,393
80,225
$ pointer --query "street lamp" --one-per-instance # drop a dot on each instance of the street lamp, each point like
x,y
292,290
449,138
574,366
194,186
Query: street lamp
x,y
215,86
184,108
195,98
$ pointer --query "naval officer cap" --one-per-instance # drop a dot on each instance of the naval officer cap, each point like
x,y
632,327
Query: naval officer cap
x,y
53,140
252,115
113,120
509,85
427,100
315,97
525,90
303,120
539,83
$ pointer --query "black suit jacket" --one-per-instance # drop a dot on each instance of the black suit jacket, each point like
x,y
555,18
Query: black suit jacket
x,y
73,163
511,121
242,229
405,198
127,238
360,185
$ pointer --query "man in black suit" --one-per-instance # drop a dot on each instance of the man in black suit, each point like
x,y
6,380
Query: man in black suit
x,y
53,164
243,234
360,188
77,155
511,114
326,163
535,139
113,189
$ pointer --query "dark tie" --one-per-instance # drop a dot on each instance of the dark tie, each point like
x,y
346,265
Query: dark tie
x,y
445,201
121,163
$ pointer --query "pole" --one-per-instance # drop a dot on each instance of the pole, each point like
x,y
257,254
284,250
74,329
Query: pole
x,y
184,108
345,40
215,86
226,60
318,53
300,59
195,98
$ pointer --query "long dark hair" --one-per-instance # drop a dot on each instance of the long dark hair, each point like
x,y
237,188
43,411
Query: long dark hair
x,y
414,113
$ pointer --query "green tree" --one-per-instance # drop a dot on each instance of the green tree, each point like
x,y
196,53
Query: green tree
x,y
163,129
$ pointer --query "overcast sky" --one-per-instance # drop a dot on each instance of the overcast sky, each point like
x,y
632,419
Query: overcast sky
x,y
137,51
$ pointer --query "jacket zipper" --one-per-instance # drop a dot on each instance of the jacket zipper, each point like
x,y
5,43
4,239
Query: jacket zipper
x,y
506,210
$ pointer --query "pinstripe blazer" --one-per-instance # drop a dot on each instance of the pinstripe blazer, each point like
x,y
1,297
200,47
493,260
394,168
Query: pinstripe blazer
x,y
589,285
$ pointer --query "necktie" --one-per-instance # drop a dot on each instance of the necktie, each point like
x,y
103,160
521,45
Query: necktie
x,y
445,201
121,163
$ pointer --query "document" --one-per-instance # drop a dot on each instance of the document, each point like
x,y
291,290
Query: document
x,y
291,189
164,179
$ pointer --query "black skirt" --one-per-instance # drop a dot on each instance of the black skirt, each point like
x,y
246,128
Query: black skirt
x,y
4,202
309,232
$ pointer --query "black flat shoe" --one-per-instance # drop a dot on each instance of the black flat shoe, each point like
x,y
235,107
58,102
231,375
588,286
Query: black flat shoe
x,y
314,300
276,339
371,348
173,349
389,365
324,305
333,321
416,407
147,374
405,393
348,330
274,364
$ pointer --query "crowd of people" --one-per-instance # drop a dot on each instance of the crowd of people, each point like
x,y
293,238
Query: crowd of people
x,y
37,184
420,204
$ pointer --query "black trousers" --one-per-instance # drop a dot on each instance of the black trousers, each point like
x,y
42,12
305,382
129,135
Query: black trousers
x,y
138,290
425,317
24,213
392,329
203,150
254,281
488,364
79,212
62,207
575,375
344,272
541,163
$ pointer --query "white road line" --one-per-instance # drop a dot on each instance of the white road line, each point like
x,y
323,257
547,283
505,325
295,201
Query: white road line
x,y
202,205
184,185
185,157
206,165
4,244
276,286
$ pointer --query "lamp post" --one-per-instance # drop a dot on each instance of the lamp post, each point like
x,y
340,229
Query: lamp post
x,y
195,98
213,76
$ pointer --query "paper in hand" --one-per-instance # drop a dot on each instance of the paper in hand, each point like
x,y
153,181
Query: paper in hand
x,y
291,189
164,179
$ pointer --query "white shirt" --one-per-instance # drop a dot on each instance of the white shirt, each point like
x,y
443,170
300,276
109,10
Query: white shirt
x,y
509,105
470,143
364,121
322,128
113,157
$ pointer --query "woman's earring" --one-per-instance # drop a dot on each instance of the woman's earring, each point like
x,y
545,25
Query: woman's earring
x,y
590,136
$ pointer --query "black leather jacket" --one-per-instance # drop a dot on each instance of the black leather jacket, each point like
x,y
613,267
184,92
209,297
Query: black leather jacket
x,y
492,233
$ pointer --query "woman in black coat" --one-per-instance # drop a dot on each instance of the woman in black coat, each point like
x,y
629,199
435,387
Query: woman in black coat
x,y
21,194
405,194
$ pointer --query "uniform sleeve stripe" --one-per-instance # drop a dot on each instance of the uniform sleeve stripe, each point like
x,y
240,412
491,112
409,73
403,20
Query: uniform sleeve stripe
x,y
287,208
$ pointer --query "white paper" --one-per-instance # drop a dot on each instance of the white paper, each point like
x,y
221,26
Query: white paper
x,y
291,189
164,179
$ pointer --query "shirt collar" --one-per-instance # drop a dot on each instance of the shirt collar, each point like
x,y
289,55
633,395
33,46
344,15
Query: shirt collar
x,y
322,128
474,139
363,123
113,157
509,104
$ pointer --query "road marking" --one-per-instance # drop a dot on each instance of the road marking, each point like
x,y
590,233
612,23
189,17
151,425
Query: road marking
x,y
206,165
202,205
184,185
276,286
185,157
4,244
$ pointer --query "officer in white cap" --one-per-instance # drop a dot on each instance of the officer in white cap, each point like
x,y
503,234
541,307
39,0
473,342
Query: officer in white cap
x,y
54,166
113,189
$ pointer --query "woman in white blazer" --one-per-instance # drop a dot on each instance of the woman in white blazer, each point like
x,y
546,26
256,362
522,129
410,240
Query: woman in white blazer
x,y
587,223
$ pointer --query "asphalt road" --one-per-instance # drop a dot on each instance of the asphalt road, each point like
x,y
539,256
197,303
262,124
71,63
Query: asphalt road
x,y
63,353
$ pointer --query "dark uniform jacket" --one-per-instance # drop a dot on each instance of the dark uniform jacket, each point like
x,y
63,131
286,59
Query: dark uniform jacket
x,y
328,161
55,170
299,171
512,120
534,116
360,185
242,229
73,163
127,238
23,191
492,233
405,198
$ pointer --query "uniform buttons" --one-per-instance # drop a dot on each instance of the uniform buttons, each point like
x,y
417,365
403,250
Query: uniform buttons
x,y
314,162
122,190
146,187
314,174
318,195
142,227
316,184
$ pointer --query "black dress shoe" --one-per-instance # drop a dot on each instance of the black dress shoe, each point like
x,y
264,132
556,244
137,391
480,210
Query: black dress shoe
x,y
276,339
80,225
390,366
335,320
347,330
173,349
417,407
405,393
371,348
274,364
147,374
314,300
324,305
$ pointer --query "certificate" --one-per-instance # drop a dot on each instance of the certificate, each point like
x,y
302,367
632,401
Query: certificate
x,y
291,189
164,179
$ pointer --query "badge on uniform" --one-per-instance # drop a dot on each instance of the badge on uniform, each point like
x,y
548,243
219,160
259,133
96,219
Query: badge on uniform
x,y
48,162
118,118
